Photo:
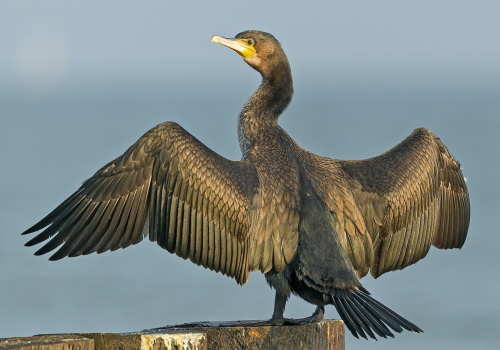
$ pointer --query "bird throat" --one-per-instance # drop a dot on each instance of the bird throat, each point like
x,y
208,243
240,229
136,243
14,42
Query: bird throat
x,y
259,116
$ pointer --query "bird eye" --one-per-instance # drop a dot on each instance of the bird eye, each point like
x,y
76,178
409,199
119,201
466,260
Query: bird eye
x,y
250,42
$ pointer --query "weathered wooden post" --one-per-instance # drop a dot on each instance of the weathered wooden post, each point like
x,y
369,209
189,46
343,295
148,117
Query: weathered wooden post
x,y
325,335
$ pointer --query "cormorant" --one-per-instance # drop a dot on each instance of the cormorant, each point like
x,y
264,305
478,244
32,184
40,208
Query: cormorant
x,y
312,225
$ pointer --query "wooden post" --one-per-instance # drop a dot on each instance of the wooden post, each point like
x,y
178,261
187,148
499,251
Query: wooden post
x,y
325,335
48,342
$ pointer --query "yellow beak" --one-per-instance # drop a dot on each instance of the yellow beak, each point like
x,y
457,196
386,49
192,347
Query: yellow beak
x,y
241,46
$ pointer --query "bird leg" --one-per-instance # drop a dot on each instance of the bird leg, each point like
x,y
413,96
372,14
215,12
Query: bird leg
x,y
277,319
279,308
315,317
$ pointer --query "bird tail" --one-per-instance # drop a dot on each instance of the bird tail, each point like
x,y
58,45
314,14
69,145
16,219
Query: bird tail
x,y
364,315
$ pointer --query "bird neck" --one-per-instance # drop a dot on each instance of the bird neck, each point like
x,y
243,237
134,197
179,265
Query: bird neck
x,y
259,116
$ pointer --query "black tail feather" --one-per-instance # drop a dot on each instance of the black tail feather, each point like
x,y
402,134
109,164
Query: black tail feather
x,y
357,315
378,326
362,314
345,317
409,326
365,323
379,313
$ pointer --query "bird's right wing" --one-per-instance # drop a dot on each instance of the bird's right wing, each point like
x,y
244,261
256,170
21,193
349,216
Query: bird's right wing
x,y
194,202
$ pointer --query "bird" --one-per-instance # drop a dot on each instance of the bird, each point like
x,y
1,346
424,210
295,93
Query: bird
x,y
314,226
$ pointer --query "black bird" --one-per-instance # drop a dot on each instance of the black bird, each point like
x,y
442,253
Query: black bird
x,y
312,225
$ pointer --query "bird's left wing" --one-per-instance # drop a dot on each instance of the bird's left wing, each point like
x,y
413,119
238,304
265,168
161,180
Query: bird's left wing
x,y
412,196
194,203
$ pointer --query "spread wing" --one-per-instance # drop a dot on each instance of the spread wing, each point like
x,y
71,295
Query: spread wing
x,y
193,202
412,196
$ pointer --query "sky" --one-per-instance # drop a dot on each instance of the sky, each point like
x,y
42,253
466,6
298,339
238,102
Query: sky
x,y
80,82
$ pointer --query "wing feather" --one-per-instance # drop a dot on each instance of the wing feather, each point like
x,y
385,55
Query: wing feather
x,y
419,188
87,239
194,203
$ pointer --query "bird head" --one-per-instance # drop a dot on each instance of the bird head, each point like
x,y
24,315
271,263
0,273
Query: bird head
x,y
260,50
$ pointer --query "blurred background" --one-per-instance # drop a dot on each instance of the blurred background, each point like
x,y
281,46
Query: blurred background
x,y
81,82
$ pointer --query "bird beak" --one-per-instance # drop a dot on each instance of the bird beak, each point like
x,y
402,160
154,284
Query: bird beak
x,y
239,45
